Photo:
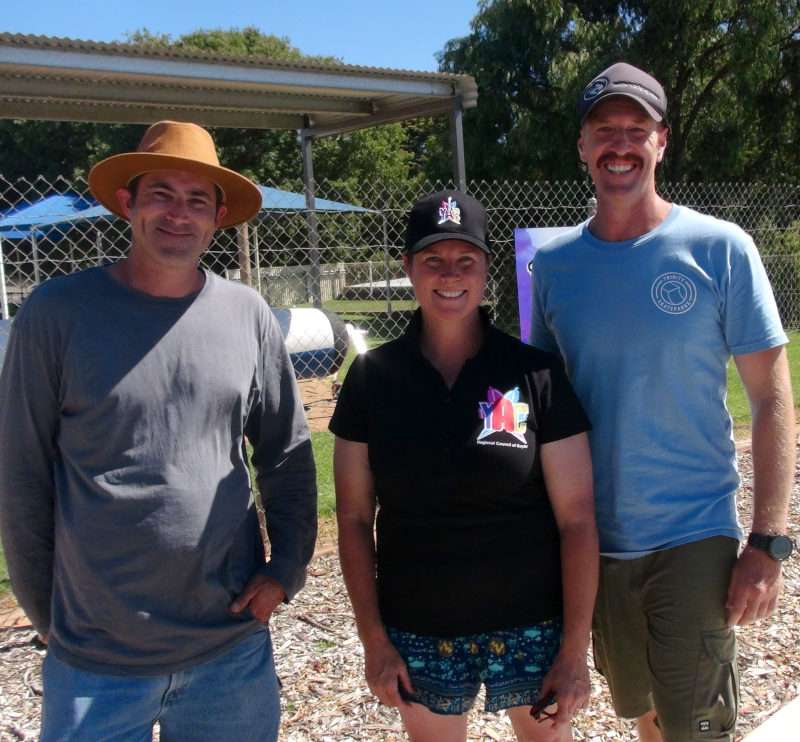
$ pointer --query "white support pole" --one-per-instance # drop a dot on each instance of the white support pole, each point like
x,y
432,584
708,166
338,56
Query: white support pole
x,y
313,280
3,290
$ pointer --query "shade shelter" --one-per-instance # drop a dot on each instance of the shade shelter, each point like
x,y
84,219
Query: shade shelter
x,y
32,222
14,224
74,80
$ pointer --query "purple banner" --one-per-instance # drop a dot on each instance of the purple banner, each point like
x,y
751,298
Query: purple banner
x,y
526,242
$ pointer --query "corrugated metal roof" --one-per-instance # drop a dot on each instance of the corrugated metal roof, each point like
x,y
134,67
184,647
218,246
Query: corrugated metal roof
x,y
73,79
32,41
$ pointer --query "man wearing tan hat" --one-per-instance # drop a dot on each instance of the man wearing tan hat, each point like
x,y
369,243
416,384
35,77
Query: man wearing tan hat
x,y
125,502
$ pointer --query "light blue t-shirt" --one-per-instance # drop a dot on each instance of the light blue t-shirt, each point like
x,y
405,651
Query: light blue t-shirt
x,y
646,328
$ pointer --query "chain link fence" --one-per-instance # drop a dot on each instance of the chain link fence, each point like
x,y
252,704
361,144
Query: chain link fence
x,y
346,258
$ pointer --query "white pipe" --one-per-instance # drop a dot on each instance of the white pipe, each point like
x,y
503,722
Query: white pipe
x,y
3,291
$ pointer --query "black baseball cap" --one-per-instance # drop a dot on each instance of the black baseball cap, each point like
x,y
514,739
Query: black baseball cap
x,y
629,81
446,215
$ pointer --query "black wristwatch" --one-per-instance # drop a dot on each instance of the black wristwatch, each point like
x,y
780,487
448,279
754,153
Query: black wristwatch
x,y
778,547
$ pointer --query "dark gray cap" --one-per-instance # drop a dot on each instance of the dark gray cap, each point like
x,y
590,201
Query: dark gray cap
x,y
629,81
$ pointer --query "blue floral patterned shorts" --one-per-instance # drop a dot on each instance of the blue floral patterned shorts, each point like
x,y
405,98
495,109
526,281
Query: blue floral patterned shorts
x,y
447,673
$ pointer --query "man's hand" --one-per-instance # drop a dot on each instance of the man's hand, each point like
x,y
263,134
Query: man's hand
x,y
568,680
261,595
756,583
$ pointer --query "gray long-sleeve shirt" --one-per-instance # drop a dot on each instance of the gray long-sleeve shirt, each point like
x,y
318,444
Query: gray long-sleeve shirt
x,y
125,504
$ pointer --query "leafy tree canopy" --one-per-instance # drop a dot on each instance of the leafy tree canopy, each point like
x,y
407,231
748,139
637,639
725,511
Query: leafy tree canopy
x,y
730,70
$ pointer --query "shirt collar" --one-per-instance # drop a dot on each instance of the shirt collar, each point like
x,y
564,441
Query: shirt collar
x,y
412,333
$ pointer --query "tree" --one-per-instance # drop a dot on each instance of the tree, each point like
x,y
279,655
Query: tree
x,y
730,70
245,42
733,101
513,52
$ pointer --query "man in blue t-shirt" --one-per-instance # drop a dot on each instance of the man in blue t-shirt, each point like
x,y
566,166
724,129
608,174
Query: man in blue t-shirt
x,y
646,302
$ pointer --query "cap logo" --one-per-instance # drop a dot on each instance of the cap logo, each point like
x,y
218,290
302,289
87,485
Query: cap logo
x,y
640,89
449,212
595,88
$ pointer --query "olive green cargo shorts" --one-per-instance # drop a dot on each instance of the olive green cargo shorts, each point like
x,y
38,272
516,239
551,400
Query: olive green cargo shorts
x,y
661,640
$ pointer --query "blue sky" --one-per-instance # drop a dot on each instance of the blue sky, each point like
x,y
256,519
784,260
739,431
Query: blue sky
x,y
404,34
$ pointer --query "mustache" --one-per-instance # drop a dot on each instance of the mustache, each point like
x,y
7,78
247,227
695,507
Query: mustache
x,y
609,156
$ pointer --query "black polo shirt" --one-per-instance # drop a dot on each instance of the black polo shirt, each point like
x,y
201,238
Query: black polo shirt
x,y
466,538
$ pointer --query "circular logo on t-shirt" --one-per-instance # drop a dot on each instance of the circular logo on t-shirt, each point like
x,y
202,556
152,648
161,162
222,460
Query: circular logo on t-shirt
x,y
673,293
597,87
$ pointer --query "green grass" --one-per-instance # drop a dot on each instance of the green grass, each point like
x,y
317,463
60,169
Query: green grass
x,y
737,399
794,365
346,308
322,443
5,586
367,306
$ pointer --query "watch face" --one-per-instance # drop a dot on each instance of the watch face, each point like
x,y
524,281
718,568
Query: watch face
x,y
780,547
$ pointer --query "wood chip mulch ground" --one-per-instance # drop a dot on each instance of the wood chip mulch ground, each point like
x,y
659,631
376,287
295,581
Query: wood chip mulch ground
x,y
319,660
319,399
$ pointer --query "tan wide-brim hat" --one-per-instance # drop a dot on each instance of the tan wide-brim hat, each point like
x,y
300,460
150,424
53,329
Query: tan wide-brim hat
x,y
175,145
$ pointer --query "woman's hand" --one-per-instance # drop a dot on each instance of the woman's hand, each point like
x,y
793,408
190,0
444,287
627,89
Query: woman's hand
x,y
386,672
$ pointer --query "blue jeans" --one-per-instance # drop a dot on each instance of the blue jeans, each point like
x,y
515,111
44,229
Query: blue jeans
x,y
232,697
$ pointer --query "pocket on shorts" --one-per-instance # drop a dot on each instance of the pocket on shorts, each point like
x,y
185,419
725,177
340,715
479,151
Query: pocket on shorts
x,y
716,696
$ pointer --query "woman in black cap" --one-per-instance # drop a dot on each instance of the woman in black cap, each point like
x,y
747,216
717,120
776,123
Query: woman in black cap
x,y
472,448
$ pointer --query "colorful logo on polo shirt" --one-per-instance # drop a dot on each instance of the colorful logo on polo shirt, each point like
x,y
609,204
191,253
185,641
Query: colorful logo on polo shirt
x,y
503,413
449,211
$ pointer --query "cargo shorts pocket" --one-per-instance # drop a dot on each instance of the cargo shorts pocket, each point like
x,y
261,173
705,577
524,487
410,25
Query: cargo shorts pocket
x,y
716,695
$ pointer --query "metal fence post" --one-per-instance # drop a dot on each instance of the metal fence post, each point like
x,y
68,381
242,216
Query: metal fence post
x,y
3,290
257,254
98,243
314,291
457,145
243,243
387,264
37,275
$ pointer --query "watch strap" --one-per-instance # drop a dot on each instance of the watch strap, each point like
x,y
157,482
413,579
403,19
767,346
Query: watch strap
x,y
764,542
